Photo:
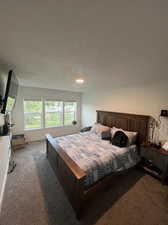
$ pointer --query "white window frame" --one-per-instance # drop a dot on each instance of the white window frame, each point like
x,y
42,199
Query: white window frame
x,y
43,100
42,114
62,121
75,113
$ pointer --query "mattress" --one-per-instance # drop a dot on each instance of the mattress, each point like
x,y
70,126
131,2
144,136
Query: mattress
x,y
97,157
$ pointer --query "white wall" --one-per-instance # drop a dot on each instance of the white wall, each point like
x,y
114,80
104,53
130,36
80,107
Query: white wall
x,y
39,93
145,99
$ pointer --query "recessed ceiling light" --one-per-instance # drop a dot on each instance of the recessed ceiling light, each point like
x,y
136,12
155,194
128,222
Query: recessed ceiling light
x,y
79,81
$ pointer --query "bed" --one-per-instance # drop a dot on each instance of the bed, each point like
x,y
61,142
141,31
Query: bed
x,y
85,164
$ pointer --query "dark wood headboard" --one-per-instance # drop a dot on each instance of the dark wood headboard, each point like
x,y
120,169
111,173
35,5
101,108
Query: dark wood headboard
x,y
126,121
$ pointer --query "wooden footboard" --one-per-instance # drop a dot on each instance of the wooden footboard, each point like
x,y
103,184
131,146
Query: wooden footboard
x,y
69,174
71,177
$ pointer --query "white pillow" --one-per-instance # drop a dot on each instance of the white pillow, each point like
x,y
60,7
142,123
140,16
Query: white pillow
x,y
114,130
102,128
94,128
99,128
131,135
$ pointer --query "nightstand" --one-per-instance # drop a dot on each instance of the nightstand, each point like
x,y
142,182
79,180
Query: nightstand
x,y
154,161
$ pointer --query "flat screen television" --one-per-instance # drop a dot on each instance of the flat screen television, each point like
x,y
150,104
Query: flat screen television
x,y
9,89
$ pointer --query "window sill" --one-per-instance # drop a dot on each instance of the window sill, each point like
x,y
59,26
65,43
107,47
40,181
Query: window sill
x,y
45,128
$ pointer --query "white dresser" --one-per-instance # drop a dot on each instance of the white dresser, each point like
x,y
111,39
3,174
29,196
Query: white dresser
x,y
5,152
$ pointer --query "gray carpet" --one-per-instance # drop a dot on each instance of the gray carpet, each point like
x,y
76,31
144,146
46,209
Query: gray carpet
x,y
33,196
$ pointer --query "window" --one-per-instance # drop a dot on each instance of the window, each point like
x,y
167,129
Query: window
x,y
10,104
32,114
69,112
53,113
49,113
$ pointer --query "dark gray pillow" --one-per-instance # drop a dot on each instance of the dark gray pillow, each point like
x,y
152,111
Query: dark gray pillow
x,y
106,135
120,139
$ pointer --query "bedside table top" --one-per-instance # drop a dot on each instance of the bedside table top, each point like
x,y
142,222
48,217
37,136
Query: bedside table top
x,y
153,148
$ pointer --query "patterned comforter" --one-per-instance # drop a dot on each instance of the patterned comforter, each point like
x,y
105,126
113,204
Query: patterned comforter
x,y
97,157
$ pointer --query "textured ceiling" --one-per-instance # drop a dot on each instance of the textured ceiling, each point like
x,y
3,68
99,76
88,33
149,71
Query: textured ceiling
x,y
108,43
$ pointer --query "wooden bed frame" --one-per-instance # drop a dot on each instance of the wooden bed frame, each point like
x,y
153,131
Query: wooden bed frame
x,y
71,176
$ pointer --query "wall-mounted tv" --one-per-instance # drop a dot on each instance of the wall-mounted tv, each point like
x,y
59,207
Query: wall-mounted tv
x,y
10,84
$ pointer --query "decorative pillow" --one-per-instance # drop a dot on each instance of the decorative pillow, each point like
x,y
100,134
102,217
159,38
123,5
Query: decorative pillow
x,y
85,129
102,128
120,139
106,135
98,128
132,136
95,127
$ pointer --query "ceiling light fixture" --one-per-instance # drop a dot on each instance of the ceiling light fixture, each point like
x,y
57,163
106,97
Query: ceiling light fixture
x,y
79,81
